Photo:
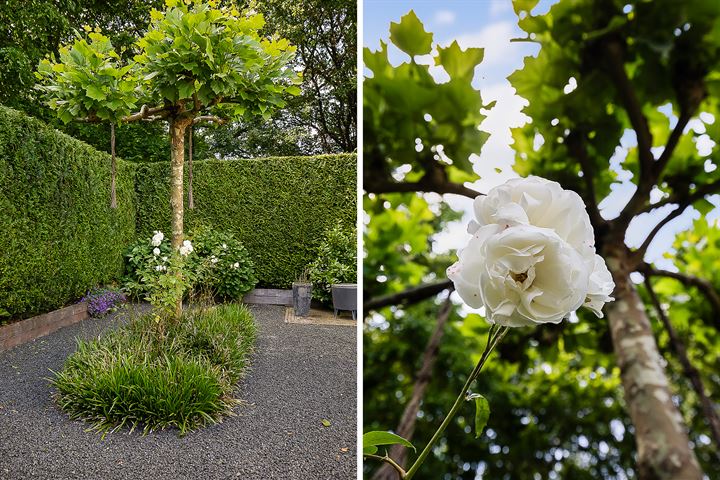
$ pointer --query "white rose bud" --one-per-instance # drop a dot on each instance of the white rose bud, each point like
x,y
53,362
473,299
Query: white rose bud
x,y
156,251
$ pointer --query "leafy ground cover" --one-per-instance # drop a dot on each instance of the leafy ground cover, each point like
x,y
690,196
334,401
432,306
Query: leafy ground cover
x,y
183,378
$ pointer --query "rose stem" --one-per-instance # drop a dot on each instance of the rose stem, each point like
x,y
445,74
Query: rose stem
x,y
494,337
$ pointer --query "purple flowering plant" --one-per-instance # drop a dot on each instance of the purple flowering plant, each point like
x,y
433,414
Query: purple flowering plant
x,y
101,301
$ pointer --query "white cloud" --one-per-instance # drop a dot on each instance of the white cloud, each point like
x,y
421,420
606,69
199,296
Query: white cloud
x,y
495,39
496,153
499,7
444,17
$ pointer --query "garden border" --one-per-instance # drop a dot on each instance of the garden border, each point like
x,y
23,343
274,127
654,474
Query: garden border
x,y
35,327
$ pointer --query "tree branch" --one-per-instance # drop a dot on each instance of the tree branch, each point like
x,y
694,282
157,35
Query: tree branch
x,y
633,107
672,142
146,112
685,197
388,460
701,284
577,149
424,185
209,118
409,296
689,369
670,217
406,427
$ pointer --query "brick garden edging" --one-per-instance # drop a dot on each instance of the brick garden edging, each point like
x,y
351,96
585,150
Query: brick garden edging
x,y
35,327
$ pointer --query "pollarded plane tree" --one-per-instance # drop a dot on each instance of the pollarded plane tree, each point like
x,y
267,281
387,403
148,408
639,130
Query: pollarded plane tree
x,y
197,62
605,69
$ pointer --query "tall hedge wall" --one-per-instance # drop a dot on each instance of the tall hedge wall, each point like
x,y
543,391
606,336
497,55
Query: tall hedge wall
x,y
278,207
58,235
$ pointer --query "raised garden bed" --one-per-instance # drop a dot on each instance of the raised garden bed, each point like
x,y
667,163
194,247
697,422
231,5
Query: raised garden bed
x,y
41,325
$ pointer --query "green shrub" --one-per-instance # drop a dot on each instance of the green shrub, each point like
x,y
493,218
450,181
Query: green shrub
x,y
336,261
59,237
222,264
279,208
183,379
218,264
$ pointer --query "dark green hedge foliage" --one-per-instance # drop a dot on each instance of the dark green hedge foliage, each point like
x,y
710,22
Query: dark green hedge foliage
x,y
279,208
58,235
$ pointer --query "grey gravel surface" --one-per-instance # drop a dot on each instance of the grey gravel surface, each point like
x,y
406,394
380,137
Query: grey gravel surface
x,y
300,375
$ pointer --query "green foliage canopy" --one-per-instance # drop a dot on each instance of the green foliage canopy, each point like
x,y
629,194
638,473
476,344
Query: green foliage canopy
x,y
555,394
193,58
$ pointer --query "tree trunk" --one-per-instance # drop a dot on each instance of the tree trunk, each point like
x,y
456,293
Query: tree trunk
x,y
406,427
177,141
113,167
191,202
689,370
663,447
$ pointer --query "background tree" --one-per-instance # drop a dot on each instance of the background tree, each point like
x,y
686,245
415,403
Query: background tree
x,y
32,29
324,31
557,407
198,62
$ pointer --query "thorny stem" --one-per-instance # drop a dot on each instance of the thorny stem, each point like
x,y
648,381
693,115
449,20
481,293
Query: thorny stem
x,y
495,335
390,461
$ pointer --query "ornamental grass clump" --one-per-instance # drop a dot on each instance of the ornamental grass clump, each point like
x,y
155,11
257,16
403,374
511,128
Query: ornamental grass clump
x,y
184,379
531,261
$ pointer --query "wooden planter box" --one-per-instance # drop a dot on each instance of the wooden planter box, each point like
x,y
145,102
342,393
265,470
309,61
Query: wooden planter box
x,y
35,327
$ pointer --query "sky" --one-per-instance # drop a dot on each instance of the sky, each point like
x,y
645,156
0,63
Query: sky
x,y
491,24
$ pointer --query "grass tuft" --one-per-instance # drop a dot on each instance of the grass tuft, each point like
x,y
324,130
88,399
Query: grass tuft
x,y
130,378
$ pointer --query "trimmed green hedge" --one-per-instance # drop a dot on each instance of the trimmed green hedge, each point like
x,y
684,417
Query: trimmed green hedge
x,y
58,235
278,207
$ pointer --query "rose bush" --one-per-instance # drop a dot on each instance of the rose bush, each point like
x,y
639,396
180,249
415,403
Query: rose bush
x,y
213,263
532,256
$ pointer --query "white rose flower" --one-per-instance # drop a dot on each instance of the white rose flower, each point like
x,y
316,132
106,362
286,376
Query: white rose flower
x,y
236,265
157,238
532,258
156,251
600,288
164,259
160,268
213,259
539,202
186,248
224,246
523,275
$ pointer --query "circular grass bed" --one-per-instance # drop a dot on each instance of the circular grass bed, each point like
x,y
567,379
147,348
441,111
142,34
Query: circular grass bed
x,y
184,377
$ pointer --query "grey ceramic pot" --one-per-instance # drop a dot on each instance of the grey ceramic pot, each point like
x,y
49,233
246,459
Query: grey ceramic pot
x,y
302,295
344,297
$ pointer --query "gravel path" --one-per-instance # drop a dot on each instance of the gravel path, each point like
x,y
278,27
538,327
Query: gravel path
x,y
300,375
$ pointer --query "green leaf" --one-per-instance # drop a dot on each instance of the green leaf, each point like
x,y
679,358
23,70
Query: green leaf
x,y
703,206
325,422
371,440
482,414
410,36
458,63
185,89
524,5
94,92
